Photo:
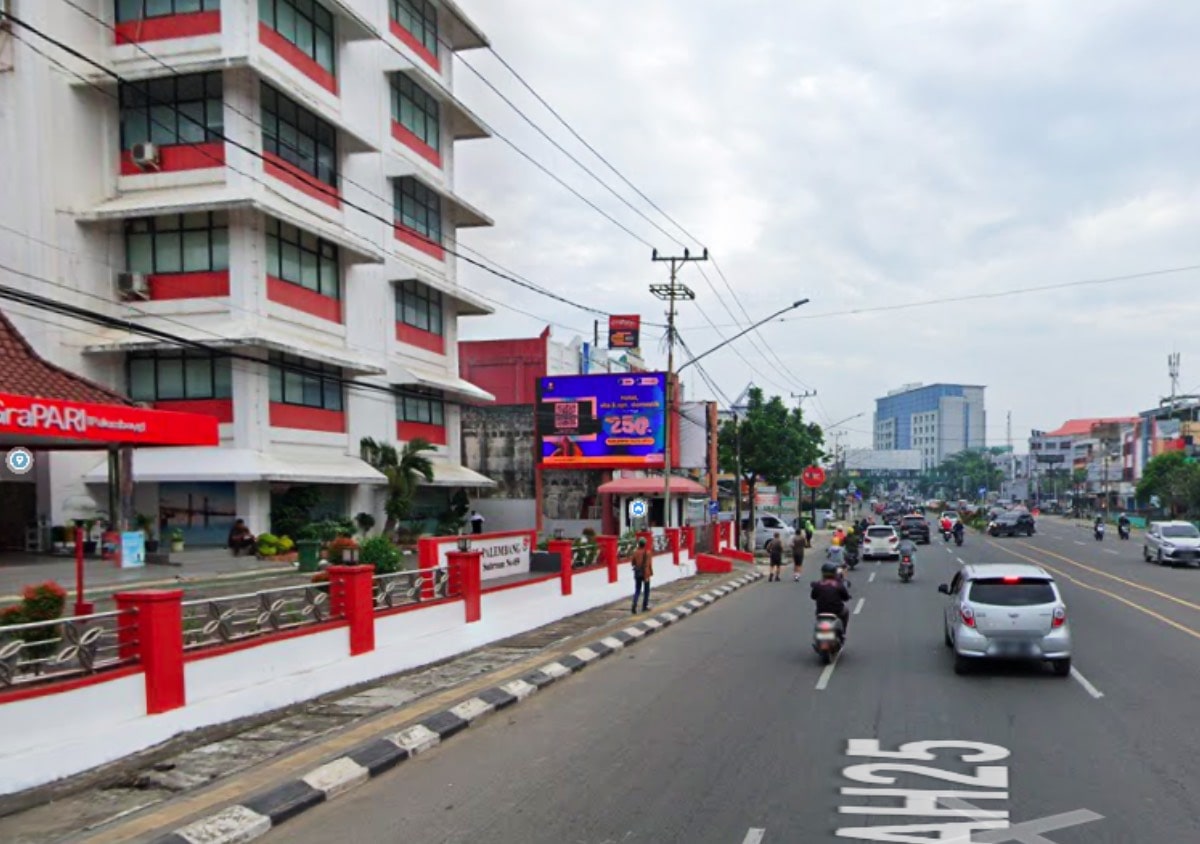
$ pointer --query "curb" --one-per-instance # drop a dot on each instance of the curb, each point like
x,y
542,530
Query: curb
x,y
265,811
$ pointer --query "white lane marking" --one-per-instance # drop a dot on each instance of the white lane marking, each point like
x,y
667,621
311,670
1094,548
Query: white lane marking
x,y
960,561
1077,542
754,836
823,680
858,608
871,579
1087,686
1111,551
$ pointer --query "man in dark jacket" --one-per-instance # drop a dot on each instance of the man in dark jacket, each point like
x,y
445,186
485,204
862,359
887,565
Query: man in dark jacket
x,y
831,595
775,552
643,570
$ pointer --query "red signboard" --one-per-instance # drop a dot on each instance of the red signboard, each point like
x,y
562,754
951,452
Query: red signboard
x,y
624,331
28,418
813,477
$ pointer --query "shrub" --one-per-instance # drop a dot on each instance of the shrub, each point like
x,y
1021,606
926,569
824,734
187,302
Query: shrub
x,y
380,552
286,545
365,522
321,581
44,602
268,545
336,546
41,602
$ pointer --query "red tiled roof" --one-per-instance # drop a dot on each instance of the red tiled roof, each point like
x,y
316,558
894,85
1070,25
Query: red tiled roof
x,y
651,486
1083,427
23,372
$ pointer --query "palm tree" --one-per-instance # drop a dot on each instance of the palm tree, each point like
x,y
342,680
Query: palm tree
x,y
404,471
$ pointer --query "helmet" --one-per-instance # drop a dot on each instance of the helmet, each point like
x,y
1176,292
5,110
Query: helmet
x,y
829,569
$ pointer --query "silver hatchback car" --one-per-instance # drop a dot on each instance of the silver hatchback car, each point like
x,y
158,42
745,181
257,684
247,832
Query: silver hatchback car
x,y
1002,611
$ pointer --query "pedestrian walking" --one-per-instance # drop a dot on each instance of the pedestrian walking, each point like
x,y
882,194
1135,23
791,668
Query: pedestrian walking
x,y
476,522
798,544
643,570
808,531
775,553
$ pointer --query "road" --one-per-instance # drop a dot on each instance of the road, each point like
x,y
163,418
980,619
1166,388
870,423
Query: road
x,y
726,729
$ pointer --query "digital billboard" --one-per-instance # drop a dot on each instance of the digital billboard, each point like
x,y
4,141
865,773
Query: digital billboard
x,y
602,421
624,332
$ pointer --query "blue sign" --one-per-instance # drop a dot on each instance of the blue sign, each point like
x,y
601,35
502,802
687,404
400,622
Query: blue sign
x,y
637,508
585,362
602,421
133,549
714,508
982,491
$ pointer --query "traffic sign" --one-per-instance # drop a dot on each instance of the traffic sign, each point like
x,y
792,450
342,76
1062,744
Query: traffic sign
x,y
813,477
637,508
714,508
982,491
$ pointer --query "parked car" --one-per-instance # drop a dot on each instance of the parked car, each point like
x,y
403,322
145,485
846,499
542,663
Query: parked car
x,y
881,541
1012,523
1006,611
915,528
1171,543
765,528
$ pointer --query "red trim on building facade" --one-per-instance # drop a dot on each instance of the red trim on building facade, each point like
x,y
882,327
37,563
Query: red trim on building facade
x,y
413,44
176,158
296,57
166,286
172,26
220,408
419,242
275,166
401,134
307,418
302,299
420,338
406,431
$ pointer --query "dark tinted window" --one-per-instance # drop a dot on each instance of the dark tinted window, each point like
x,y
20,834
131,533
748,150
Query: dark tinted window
x,y
1025,592
1181,531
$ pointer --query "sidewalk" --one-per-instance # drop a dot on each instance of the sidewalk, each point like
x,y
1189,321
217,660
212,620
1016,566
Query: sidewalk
x,y
143,794
101,576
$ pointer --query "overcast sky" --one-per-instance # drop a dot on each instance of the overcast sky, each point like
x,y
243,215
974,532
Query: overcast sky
x,y
865,155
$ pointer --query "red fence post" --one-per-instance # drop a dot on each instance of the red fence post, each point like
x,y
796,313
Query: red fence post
x,y
466,568
156,638
566,551
608,551
82,607
427,560
673,542
351,595
689,541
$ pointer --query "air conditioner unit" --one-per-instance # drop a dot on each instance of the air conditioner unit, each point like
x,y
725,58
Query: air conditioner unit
x,y
132,286
145,156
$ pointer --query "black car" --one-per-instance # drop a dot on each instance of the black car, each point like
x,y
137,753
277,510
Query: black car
x,y
1012,524
915,528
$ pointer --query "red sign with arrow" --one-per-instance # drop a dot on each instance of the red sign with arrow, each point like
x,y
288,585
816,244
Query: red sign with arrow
x,y
813,477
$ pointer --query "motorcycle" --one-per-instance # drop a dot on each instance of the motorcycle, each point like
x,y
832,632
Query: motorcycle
x,y
829,637
850,556
946,535
1098,531
1123,531
958,539
906,567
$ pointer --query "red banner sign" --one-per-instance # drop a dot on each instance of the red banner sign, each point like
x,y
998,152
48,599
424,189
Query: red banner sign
x,y
813,477
31,418
624,332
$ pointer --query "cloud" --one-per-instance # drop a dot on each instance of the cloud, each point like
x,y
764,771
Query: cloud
x,y
863,155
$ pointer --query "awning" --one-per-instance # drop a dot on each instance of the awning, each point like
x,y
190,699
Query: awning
x,y
183,465
461,31
467,303
452,385
463,214
652,486
447,474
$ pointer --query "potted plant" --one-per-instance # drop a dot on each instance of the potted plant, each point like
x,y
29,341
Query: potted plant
x,y
146,525
365,522
339,549
58,536
381,552
176,541
89,543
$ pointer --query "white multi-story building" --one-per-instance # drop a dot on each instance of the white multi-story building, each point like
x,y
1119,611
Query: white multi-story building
x,y
273,180
938,420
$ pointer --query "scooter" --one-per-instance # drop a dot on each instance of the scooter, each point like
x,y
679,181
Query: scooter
x,y
906,567
850,555
1099,532
958,539
1123,531
946,536
829,637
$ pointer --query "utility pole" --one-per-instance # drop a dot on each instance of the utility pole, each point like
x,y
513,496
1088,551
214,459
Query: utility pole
x,y
1173,370
800,397
671,293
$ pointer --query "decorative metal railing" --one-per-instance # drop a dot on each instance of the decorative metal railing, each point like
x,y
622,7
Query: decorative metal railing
x,y
66,647
236,618
408,587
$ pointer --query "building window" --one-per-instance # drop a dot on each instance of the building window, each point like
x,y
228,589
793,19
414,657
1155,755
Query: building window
x,y
419,209
318,385
180,243
178,376
136,10
172,111
419,17
298,136
424,407
416,110
420,306
302,258
304,23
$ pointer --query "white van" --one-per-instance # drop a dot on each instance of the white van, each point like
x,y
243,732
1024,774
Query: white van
x,y
766,526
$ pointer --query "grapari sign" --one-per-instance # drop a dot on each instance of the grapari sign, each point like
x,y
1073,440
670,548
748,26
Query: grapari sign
x,y
28,416
503,554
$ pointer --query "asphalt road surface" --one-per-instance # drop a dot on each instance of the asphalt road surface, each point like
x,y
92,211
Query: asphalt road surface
x,y
725,728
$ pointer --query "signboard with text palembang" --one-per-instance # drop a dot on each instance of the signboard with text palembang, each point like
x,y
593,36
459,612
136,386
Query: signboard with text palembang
x,y
504,554
624,331
602,421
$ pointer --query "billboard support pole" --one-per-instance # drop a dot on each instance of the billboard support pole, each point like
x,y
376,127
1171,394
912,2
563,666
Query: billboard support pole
x,y
671,293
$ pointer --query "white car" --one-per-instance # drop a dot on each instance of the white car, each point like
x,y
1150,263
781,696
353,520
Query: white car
x,y
766,526
1171,543
880,541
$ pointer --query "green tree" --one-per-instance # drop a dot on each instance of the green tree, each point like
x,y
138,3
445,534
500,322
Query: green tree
x,y
1175,479
403,469
776,444
966,472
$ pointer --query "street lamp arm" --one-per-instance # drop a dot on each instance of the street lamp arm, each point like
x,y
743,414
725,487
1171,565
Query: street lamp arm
x,y
722,345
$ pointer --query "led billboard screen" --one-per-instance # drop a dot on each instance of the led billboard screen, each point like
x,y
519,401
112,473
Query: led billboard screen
x,y
602,421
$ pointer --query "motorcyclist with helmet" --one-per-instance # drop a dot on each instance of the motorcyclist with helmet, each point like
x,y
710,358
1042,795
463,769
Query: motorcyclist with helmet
x,y
832,595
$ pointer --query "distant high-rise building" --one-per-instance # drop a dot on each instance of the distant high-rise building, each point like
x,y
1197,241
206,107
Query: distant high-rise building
x,y
937,420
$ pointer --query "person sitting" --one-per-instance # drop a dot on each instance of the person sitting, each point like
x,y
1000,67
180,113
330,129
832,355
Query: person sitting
x,y
241,540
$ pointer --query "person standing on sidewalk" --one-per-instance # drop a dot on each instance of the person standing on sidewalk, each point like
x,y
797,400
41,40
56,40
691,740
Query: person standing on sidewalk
x,y
798,544
643,570
775,553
